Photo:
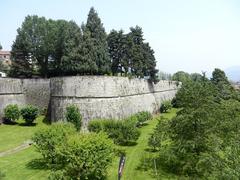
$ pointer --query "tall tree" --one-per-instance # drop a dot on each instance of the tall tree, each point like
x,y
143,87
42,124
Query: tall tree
x,y
98,37
117,44
65,58
224,87
181,76
32,47
0,46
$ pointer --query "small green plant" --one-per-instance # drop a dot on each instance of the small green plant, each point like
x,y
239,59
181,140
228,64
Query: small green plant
x,y
165,106
11,112
123,132
95,125
73,116
29,113
49,139
88,156
143,117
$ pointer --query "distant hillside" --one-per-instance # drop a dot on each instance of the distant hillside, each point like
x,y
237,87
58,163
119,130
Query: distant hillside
x,y
233,73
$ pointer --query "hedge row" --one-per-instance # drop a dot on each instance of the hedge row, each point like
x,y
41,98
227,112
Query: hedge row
x,y
123,132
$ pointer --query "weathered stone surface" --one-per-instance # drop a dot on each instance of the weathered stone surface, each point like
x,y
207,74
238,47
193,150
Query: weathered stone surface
x,y
107,97
24,91
37,92
96,96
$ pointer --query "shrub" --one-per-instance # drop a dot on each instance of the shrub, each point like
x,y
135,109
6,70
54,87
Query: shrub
x,y
49,139
95,125
88,157
122,132
29,113
160,134
11,112
73,116
143,117
165,106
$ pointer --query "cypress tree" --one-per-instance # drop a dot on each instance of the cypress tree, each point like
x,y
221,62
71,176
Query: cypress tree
x,y
98,37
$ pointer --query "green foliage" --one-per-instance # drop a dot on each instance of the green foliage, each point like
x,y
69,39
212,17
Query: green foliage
x,y
48,140
46,47
88,156
11,112
2,175
181,76
160,135
122,132
73,116
142,117
165,106
201,142
224,89
29,113
96,125
99,52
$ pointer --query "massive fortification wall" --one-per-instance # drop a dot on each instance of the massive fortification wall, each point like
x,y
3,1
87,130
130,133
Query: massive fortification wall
x,y
107,97
24,91
96,96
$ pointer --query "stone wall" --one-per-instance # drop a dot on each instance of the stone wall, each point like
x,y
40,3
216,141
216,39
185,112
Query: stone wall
x,y
24,91
96,96
107,97
11,92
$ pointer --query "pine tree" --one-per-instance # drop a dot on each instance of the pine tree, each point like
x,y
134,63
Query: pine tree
x,y
98,35
117,44
66,58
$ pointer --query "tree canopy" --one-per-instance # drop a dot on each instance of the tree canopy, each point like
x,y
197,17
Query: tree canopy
x,y
45,47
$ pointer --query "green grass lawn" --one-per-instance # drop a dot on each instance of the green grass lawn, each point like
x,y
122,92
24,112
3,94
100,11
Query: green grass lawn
x,y
12,136
21,165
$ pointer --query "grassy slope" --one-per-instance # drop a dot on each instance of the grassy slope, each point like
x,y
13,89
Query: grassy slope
x,y
12,136
18,166
134,154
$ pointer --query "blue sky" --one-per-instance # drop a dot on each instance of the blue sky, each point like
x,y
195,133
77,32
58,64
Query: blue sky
x,y
189,35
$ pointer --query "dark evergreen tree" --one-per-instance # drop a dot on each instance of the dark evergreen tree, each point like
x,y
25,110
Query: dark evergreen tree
x,y
224,87
66,60
98,37
117,44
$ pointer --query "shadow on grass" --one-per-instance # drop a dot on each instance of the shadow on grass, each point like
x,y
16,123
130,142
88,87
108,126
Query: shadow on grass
x,y
151,150
27,124
9,122
128,144
37,164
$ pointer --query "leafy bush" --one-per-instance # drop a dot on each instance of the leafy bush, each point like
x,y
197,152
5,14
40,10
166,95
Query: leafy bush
x,y
49,139
29,113
11,112
122,132
96,125
160,134
143,117
165,106
88,157
73,116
